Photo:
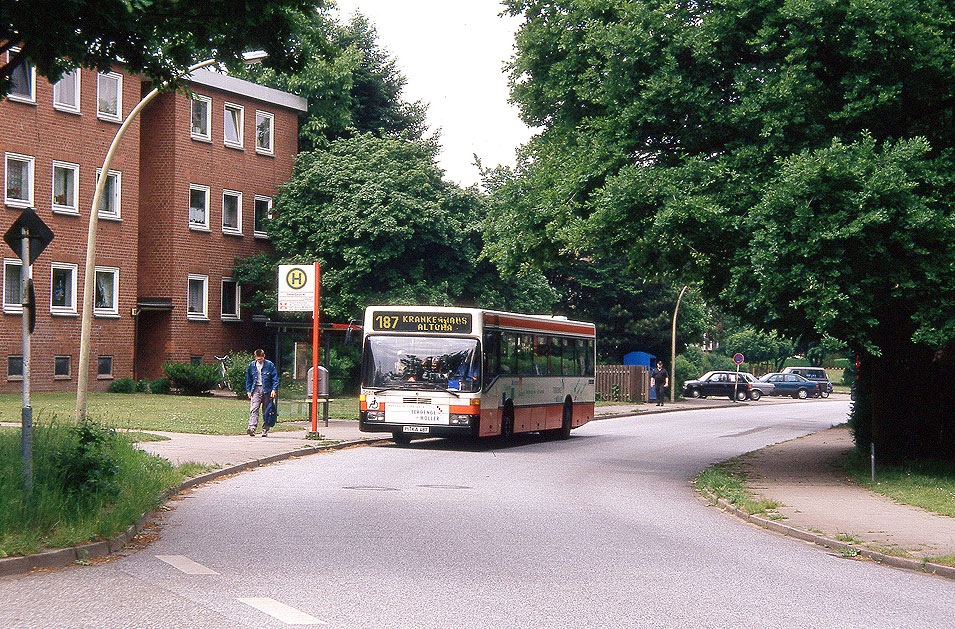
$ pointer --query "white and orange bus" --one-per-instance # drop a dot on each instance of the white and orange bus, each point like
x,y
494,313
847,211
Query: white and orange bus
x,y
442,372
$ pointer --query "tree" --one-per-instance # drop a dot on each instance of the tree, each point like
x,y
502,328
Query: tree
x,y
759,347
351,84
795,158
158,38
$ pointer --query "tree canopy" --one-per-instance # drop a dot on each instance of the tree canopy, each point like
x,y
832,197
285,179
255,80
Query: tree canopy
x,y
794,158
158,38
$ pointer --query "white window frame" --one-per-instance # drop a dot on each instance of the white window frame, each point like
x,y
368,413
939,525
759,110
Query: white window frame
x,y
238,299
206,102
237,230
114,310
20,98
204,315
225,121
195,225
62,208
12,307
69,367
58,89
117,195
70,308
265,150
105,115
14,202
256,232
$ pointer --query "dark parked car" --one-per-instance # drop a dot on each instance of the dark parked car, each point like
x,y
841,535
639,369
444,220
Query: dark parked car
x,y
816,374
721,383
793,385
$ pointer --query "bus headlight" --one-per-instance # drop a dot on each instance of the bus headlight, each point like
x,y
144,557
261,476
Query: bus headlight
x,y
460,420
375,416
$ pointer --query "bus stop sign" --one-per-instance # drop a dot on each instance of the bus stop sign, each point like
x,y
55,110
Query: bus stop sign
x,y
31,226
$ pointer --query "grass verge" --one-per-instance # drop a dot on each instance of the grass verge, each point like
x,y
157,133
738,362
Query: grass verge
x,y
926,484
89,483
725,480
173,413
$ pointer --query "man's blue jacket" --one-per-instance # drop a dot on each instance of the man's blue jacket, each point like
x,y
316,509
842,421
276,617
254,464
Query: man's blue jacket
x,y
270,377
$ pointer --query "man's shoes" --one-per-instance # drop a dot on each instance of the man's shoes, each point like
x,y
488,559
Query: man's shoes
x,y
265,433
251,432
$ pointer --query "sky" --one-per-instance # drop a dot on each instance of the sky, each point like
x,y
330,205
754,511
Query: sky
x,y
452,55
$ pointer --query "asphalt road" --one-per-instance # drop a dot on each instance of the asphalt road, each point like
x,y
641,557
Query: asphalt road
x,y
602,530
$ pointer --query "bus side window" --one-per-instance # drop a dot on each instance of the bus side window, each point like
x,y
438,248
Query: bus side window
x,y
541,355
525,355
573,356
556,355
508,353
588,358
492,355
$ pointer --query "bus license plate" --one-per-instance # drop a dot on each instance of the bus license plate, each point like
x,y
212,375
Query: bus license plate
x,y
421,429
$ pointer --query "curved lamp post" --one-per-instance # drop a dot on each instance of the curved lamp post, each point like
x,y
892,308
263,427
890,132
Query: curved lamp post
x,y
673,348
82,380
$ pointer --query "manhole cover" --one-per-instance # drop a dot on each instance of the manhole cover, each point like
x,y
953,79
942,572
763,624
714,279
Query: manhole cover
x,y
371,488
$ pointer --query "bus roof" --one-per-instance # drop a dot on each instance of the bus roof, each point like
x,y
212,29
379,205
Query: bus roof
x,y
493,318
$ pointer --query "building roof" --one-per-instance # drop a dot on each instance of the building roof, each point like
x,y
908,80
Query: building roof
x,y
228,83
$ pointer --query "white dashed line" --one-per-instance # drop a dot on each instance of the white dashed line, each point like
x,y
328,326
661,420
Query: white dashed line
x,y
288,615
183,563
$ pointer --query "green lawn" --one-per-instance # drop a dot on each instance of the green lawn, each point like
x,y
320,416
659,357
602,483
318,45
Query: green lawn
x,y
173,413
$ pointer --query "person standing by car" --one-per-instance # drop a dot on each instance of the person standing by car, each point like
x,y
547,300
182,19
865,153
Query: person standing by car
x,y
261,376
659,380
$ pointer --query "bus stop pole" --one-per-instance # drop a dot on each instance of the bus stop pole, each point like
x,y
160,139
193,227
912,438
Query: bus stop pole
x,y
315,349
26,413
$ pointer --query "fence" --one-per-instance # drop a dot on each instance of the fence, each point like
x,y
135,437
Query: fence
x,y
624,383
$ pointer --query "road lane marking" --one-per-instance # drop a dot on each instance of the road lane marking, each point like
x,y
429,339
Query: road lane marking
x,y
183,563
281,611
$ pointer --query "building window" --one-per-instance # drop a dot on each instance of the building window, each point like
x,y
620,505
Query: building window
x,y
18,184
197,297
263,212
231,212
199,207
106,299
61,367
230,299
233,125
12,283
65,187
109,92
14,367
66,92
263,132
201,127
109,203
63,289
22,80
195,360
104,366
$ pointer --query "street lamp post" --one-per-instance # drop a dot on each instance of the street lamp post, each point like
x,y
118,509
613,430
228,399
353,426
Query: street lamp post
x,y
673,348
82,380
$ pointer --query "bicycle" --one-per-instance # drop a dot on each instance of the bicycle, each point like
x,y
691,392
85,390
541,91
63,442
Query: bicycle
x,y
224,378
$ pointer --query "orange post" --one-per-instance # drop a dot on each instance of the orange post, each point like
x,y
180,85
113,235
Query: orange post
x,y
315,347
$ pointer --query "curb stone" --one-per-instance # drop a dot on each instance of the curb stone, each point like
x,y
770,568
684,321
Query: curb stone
x,y
820,540
667,410
12,566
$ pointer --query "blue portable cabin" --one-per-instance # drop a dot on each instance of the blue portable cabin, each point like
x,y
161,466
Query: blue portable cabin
x,y
642,359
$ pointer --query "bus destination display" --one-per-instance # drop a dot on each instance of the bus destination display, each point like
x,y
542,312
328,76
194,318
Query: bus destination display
x,y
446,323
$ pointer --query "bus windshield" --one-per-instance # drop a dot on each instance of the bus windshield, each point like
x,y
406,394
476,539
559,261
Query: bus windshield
x,y
422,362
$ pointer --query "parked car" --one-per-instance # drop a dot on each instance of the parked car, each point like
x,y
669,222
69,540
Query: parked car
x,y
722,383
816,374
793,385
757,388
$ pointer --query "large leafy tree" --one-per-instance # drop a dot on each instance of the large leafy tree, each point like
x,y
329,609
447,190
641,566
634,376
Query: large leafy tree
x,y
158,38
796,158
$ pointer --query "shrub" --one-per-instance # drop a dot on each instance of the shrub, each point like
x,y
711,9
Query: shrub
x,y
142,387
159,386
192,379
84,464
123,385
236,364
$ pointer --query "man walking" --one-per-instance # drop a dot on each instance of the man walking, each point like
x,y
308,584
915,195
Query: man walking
x,y
659,380
260,377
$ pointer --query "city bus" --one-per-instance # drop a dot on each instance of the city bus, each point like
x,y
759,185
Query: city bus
x,y
445,372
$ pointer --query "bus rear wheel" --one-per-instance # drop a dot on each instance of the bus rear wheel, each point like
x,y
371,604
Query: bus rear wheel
x,y
566,421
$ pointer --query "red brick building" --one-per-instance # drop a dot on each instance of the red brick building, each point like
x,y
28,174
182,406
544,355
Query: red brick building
x,y
187,191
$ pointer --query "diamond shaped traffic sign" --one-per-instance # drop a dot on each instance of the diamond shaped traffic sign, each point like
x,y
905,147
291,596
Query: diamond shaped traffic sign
x,y
31,226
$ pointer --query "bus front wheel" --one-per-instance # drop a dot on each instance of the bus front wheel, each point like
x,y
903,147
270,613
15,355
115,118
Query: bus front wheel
x,y
507,424
400,438
567,421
